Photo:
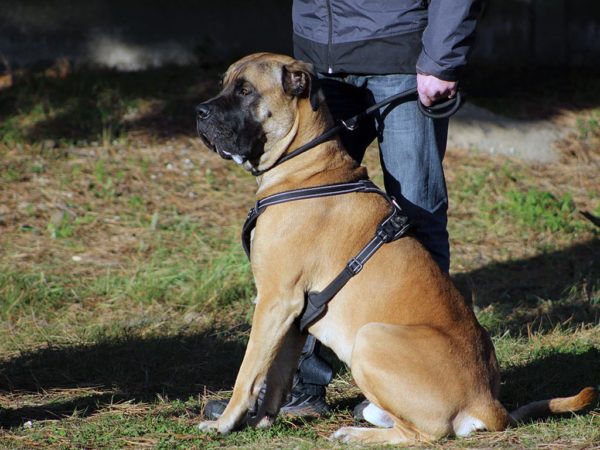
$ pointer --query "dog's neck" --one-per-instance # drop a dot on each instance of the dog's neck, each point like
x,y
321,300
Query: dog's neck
x,y
323,164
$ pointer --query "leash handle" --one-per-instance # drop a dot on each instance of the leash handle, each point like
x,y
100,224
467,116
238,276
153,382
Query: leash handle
x,y
443,109
440,110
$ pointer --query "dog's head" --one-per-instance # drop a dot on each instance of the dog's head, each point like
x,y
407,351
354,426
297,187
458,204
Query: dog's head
x,y
257,113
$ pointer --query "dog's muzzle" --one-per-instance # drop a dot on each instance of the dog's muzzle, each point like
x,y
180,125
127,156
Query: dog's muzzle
x,y
203,112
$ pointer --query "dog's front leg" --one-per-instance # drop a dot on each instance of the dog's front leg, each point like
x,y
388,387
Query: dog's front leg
x,y
273,317
279,378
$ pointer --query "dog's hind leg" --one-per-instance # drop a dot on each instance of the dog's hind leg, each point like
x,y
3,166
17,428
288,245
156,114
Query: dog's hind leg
x,y
416,375
394,431
398,434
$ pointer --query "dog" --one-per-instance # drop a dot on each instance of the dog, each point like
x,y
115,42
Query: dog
x,y
412,342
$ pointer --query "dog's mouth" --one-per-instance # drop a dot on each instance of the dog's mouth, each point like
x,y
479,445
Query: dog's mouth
x,y
239,159
205,139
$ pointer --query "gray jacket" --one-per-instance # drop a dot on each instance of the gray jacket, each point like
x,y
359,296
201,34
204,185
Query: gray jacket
x,y
385,36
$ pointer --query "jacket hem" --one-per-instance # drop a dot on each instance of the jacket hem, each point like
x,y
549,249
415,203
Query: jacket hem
x,y
380,56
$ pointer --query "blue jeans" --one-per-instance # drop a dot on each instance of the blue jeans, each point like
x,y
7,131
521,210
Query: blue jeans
x,y
411,149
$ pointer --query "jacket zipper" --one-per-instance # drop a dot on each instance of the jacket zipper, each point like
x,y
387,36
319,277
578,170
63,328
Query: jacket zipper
x,y
330,42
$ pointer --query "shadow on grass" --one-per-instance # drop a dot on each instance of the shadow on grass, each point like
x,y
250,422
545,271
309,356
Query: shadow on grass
x,y
138,369
90,104
99,104
555,375
538,293
179,367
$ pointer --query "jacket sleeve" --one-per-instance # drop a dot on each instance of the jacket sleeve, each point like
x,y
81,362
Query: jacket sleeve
x,y
448,37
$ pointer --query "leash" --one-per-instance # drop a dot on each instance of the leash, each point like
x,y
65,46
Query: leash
x,y
393,227
440,110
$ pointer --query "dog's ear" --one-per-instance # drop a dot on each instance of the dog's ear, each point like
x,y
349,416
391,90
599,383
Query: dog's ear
x,y
298,79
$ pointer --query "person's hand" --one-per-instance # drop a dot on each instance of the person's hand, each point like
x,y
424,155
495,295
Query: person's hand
x,y
432,89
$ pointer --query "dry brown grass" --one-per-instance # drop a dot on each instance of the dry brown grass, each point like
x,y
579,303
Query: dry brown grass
x,y
174,176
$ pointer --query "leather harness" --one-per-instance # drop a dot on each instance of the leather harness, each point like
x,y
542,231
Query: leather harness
x,y
393,227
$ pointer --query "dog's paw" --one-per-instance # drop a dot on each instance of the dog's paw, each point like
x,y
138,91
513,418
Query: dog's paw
x,y
344,434
208,425
219,425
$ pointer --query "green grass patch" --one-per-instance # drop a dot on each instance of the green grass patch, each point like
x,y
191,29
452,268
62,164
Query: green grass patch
x,y
542,211
205,284
20,292
589,127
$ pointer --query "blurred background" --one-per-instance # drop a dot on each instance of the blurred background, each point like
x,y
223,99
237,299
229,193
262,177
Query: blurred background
x,y
157,58
137,34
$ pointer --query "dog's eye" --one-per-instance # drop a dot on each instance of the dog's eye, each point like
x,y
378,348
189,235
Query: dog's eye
x,y
244,90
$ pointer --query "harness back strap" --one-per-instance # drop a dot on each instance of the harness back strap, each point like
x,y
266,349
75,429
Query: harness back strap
x,y
391,228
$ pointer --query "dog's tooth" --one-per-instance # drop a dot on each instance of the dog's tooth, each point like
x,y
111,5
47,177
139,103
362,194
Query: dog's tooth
x,y
238,159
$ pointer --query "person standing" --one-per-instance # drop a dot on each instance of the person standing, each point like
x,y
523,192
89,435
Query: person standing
x,y
363,52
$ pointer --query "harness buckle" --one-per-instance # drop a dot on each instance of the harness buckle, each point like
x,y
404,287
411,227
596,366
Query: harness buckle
x,y
384,234
354,266
350,124
393,227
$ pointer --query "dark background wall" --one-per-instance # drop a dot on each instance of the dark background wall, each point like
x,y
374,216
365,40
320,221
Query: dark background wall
x,y
136,33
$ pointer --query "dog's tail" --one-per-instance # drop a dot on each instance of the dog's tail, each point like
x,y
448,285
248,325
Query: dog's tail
x,y
542,408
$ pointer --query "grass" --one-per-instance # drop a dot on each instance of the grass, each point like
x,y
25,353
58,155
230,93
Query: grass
x,y
126,299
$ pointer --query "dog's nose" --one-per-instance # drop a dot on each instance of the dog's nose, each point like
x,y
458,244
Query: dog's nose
x,y
203,111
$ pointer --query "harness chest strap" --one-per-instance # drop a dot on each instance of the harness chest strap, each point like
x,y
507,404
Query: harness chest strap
x,y
301,194
391,228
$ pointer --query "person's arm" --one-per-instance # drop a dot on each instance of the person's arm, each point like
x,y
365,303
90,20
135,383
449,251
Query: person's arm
x,y
447,40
